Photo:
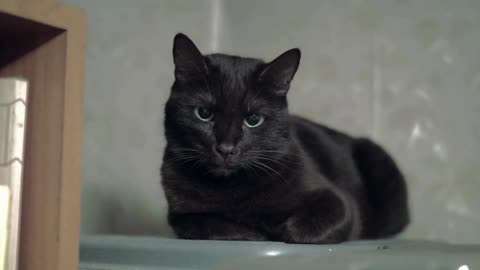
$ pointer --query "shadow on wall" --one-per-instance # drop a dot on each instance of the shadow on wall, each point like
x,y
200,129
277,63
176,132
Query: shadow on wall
x,y
121,215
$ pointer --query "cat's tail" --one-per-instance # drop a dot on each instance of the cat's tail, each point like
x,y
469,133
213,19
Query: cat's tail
x,y
386,190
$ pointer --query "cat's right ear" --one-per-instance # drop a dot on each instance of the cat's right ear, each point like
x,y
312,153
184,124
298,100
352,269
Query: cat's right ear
x,y
188,60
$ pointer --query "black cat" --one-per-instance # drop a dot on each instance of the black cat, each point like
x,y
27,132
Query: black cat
x,y
238,166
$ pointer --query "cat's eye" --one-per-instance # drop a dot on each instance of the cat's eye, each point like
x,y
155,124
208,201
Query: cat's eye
x,y
253,120
203,114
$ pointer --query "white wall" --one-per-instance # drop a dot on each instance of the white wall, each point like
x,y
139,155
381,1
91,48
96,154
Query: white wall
x,y
405,72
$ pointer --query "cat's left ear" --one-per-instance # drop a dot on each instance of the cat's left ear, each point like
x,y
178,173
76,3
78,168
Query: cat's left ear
x,y
280,72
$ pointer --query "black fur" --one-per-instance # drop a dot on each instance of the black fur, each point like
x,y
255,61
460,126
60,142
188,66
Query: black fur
x,y
288,179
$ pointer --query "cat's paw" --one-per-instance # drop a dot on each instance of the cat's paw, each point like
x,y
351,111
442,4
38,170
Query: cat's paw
x,y
325,220
250,236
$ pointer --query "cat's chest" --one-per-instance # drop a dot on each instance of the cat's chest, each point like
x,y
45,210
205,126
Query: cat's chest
x,y
259,202
237,200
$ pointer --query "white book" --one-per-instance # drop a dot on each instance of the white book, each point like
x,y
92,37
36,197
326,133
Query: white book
x,y
13,99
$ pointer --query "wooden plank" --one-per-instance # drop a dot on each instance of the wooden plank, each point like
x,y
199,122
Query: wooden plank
x,y
47,12
19,36
51,195
43,154
72,147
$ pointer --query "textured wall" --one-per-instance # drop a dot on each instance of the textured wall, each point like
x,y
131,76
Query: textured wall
x,y
404,72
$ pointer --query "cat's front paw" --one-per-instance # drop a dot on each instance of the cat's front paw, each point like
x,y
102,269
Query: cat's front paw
x,y
249,236
308,230
325,220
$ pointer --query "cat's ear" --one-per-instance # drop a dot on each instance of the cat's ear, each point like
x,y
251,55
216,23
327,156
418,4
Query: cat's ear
x,y
280,72
187,58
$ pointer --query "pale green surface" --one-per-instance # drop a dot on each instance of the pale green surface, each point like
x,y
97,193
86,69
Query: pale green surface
x,y
141,253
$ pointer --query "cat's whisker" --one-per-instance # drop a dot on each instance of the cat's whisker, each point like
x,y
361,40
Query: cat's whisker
x,y
286,155
184,161
271,156
185,155
261,168
181,156
266,151
269,168
274,161
185,149
283,161
249,168
197,162
185,158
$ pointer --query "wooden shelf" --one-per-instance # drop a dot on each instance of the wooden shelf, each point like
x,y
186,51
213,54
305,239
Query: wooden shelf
x,y
44,42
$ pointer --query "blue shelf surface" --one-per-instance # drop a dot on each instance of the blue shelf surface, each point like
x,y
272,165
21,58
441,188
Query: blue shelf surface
x,y
147,253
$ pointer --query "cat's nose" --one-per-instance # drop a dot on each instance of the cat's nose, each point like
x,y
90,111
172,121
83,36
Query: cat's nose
x,y
226,149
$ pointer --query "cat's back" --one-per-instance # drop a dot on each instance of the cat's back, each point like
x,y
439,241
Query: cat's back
x,y
310,131
331,151
363,169
321,141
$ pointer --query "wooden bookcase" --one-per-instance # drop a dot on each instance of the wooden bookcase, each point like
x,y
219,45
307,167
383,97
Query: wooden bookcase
x,y
44,42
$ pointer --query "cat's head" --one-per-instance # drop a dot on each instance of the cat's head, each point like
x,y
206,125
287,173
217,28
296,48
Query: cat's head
x,y
227,113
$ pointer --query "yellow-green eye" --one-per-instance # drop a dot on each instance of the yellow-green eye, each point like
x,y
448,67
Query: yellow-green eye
x,y
253,120
203,114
